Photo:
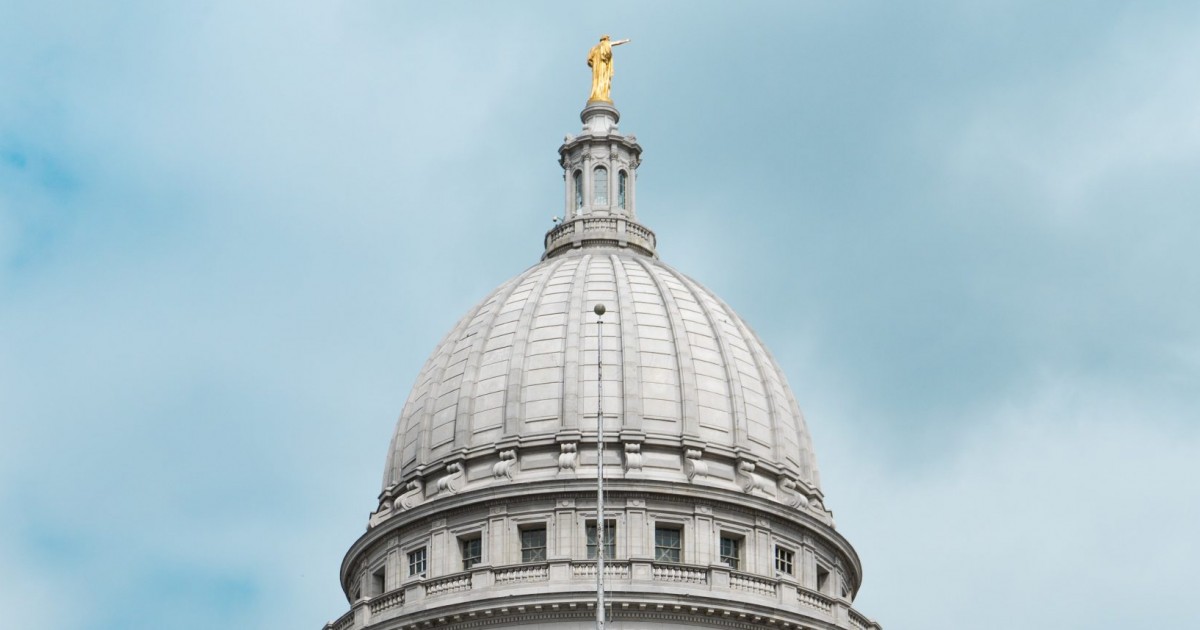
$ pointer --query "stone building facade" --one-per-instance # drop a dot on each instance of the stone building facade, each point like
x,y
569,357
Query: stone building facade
x,y
714,515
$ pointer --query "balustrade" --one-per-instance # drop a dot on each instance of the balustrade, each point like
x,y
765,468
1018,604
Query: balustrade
x,y
612,570
448,584
747,582
813,599
679,573
523,573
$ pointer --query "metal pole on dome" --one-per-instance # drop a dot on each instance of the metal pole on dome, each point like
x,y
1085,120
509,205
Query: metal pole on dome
x,y
600,542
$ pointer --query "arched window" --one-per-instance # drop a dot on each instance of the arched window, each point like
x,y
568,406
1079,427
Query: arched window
x,y
577,181
600,186
621,177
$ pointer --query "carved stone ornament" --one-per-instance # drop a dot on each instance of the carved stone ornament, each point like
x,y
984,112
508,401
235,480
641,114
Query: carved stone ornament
x,y
633,456
790,494
567,459
414,494
384,510
750,480
504,467
445,484
693,466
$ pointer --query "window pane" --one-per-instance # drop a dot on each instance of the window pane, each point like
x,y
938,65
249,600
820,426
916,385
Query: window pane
x,y
610,540
784,560
416,562
731,551
667,544
472,552
578,182
621,190
600,187
533,545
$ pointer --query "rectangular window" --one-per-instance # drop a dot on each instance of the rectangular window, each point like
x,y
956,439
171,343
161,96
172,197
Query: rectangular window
x,y
416,563
823,579
785,560
731,552
533,545
668,544
379,581
472,551
610,540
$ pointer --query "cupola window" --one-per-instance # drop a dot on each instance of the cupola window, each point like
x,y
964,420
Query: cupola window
x,y
577,182
600,186
621,177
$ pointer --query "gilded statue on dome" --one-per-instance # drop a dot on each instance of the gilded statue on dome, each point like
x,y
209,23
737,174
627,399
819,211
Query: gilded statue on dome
x,y
600,59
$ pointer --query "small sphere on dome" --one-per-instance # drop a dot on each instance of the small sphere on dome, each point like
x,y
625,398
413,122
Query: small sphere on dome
x,y
599,309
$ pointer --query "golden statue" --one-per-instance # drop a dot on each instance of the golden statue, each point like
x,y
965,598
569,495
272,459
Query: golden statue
x,y
600,60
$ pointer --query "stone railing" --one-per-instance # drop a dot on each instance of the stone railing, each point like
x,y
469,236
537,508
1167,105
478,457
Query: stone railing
x,y
448,584
599,225
859,621
679,573
752,583
579,576
391,599
814,600
599,229
638,233
344,622
522,573
615,570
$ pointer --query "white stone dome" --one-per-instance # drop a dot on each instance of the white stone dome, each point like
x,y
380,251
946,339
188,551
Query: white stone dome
x,y
498,475
681,372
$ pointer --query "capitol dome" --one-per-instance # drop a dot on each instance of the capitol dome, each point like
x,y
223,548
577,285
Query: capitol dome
x,y
601,362
681,369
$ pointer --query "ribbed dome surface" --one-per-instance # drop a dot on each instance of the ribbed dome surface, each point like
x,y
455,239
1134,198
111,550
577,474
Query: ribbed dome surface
x,y
678,366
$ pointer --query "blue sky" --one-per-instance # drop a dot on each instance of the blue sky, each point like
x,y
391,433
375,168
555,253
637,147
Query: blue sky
x,y
231,232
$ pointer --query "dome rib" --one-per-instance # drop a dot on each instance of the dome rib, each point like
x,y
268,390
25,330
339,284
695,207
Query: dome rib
x,y
689,405
572,375
808,459
630,341
396,459
514,403
465,407
769,392
733,376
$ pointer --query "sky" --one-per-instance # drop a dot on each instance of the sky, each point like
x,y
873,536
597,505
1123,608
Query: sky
x,y
231,232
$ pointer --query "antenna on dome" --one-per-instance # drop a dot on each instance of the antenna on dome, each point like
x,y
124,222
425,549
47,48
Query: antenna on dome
x,y
600,542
